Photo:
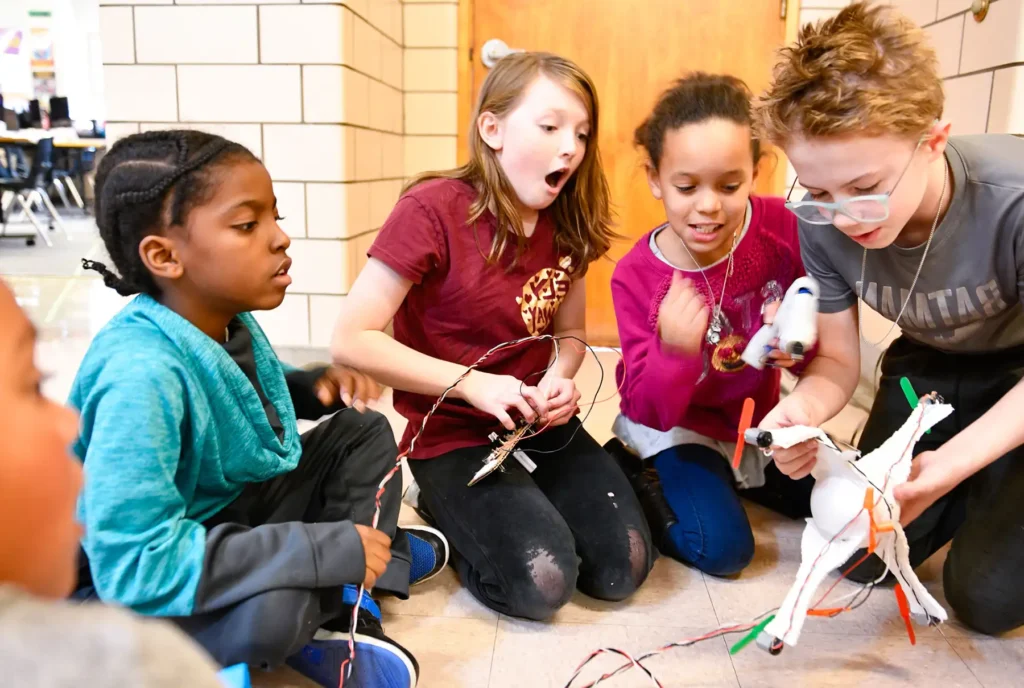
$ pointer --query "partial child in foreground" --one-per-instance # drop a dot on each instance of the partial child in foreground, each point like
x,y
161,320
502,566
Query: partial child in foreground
x,y
46,642
928,230
688,298
493,252
203,501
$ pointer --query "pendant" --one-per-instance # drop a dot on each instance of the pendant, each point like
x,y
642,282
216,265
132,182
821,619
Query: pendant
x,y
714,333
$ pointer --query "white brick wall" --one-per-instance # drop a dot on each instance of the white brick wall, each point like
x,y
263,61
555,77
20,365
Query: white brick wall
x,y
312,87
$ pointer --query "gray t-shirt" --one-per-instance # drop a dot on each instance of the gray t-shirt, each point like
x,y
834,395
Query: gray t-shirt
x,y
62,644
968,297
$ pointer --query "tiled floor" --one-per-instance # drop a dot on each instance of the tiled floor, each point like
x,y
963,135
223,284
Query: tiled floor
x,y
459,643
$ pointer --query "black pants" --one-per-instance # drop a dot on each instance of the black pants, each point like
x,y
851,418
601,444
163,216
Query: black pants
x,y
984,515
524,542
343,461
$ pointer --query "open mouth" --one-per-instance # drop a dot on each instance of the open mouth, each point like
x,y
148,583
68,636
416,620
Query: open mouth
x,y
706,228
285,267
554,179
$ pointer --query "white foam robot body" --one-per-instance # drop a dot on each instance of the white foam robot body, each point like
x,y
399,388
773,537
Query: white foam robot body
x,y
840,524
795,325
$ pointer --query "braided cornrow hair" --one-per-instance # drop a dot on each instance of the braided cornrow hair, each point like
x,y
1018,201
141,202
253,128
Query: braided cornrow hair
x,y
146,183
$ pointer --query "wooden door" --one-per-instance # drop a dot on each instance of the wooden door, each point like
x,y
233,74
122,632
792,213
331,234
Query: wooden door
x,y
632,49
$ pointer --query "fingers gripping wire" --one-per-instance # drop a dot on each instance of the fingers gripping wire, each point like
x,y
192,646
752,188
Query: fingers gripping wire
x,y
346,666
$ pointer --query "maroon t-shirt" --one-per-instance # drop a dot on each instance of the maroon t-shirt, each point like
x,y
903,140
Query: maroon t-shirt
x,y
460,307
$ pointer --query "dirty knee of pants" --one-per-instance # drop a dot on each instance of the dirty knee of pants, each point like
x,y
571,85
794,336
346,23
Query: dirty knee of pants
x,y
544,588
615,578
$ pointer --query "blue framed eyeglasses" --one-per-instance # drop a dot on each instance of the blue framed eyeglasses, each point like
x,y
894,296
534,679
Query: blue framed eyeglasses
x,y
862,209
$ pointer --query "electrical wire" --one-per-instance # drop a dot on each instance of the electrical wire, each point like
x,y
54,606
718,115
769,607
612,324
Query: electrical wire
x,y
347,664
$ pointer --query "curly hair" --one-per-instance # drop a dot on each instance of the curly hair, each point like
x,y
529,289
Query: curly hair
x,y
867,70
146,183
696,98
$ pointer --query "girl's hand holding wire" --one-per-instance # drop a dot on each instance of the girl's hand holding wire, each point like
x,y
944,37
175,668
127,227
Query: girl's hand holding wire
x,y
683,317
496,394
563,400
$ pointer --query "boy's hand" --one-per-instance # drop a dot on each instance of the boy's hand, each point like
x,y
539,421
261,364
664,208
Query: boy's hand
x,y
930,479
563,400
797,461
352,387
683,317
376,552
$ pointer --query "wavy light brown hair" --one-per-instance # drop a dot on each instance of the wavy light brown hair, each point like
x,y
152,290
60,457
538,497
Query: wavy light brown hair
x,y
582,211
868,70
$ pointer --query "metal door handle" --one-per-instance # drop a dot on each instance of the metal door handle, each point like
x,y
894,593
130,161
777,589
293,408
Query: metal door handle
x,y
493,50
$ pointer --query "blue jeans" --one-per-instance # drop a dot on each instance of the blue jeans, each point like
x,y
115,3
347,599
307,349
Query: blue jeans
x,y
713,533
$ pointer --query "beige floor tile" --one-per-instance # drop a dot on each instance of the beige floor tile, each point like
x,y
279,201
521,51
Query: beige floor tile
x,y
546,656
281,678
996,663
826,660
452,653
672,595
442,596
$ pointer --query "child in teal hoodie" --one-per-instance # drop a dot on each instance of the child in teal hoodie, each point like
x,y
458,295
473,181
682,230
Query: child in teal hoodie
x,y
203,503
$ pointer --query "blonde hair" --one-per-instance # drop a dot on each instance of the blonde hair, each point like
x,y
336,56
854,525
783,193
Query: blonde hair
x,y
867,70
582,211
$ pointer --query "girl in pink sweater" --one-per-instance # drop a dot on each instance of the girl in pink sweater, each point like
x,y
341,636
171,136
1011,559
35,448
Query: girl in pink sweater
x,y
688,297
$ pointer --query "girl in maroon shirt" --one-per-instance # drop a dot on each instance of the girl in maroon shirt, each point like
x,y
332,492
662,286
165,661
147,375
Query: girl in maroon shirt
x,y
488,253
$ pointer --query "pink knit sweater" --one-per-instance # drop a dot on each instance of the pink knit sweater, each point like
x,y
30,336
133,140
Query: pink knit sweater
x,y
659,388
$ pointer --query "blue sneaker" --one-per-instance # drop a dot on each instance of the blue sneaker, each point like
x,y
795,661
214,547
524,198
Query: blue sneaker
x,y
379,661
429,550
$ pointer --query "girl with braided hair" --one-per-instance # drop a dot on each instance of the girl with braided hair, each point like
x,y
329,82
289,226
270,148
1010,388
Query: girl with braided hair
x,y
202,502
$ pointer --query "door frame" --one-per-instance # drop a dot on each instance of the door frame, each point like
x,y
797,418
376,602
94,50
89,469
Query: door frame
x,y
465,78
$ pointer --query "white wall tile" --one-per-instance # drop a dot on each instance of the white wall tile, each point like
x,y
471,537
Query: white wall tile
x,y
384,101
242,93
382,200
967,101
249,135
319,267
306,34
337,211
378,15
432,69
949,7
367,48
369,154
323,98
1007,113
920,12
431,113
393,154
291,204
391,63
360,7
397,14
119,130
428,153
946,37
288,324
136,2
323,312
140,93
824,4
309,152
431,26
431,2
356,95
196,35
117,35
998,40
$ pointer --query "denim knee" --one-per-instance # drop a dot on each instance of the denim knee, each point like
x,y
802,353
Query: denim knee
x,y
723,553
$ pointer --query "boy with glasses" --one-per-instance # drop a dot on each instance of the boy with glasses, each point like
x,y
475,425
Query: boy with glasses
x,y
929,231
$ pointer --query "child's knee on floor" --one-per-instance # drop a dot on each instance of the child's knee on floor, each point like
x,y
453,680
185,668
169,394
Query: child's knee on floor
x,y
620,576
543,586
727,555
972,597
